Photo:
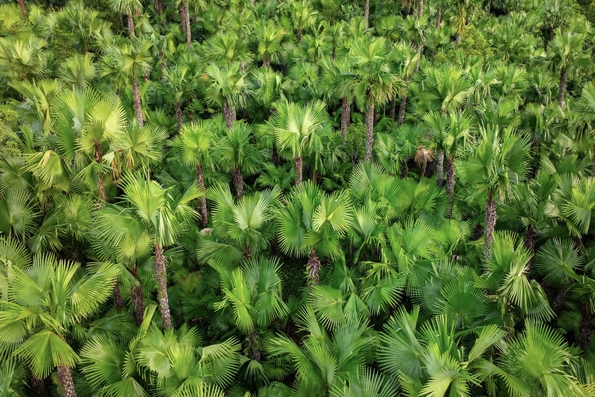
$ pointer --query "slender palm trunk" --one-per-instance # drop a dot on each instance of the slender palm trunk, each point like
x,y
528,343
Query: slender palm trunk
x,y
298,170
187,24
229,112
490,225
252,2
420,8
345,117
266,62
450,184
99,159
313,267
23,9
38,388
137,105
584,333
161,277
158,6
65,377
367,12
562,88
369,129
440,168
393,109
136,296
404,170
275,156
131,26
118,301
299,35
593,166
438,17
179,115
402,108
200,179
238,181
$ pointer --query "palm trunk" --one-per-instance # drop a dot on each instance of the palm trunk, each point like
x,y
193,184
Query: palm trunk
x,y
275,157
238,181
136,295
345,117
393,109
188,30
118,301
203,200
313,267
367,12
65,377
490,225
562,88
584,333
23,10
179,115
404,170
420,8
131,26
229,112
37,386
369,129
252,3
299,35
440,168
298,170
161,277
450,184
266,63
402,109
593,166
158,6
438,17
137,106
99,159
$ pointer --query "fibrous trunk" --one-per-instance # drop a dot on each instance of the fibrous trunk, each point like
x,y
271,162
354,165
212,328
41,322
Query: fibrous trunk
x,y
313,267
266,62
369,130
229,112
65,377
345,117
584,333
298,170
438,17
404,170
161,278
402,109
393,109
276,159
136,295
38,388
99,159
131,26
23,10
562,87
118,301
367,12
440,168
137,106
299,35
185,20
158,6
490,226
238,181
200,179
420,8
179,115
450,184
593,166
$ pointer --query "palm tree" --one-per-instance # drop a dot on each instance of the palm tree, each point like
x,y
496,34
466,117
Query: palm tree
x,y
226,89
164,216
498,162
130,8
268,38
45,299
295,128
303,16
565,52
237,154
178,82
375,84
312,223
195,143
20,59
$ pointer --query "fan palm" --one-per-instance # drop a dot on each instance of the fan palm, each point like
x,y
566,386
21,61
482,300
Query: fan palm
x,y
268,38
130,8
45,299
296,127
165,216
226,89
20,59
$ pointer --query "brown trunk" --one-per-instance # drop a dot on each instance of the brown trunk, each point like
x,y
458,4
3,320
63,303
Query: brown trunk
x,y
137,106
450,184
404,170
490,225
313,268
402,109
23,10
179,115
298,170
252,2
367,12
203,200
584,333
188,30
393,109
38,388
369,130
118,301
458,40
420,8
562,87
345,117
131,26
247,252
161,277
99,159
299,34
238,181
440,168
158,6
438,17
65,377
229,112
136,295
593,166
266,63
276,158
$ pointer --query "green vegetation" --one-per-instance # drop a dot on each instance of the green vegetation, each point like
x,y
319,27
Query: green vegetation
x,y
297,198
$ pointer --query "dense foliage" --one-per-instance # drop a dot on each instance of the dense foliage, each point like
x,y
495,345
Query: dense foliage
x,y
297,198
